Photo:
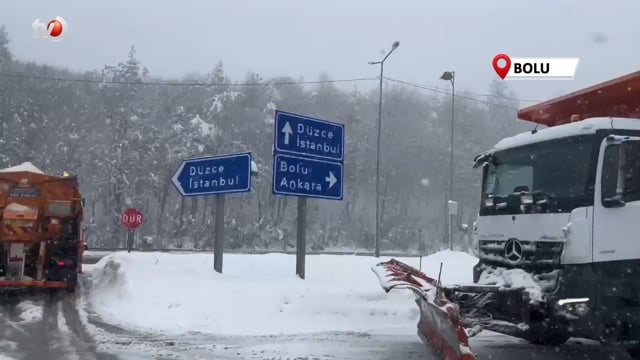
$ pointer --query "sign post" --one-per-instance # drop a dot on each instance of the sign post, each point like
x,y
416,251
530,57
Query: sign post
x,y
131,220
215,175
453,210
301,241
218,246
308,162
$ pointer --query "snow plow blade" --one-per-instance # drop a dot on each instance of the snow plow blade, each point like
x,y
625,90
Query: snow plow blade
x,y
440,326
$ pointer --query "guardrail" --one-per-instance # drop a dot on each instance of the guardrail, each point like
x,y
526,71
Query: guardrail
x,y
264,252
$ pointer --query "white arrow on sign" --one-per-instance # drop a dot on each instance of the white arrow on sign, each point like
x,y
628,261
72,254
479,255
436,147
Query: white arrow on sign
x,y
287,132
176,182
331,179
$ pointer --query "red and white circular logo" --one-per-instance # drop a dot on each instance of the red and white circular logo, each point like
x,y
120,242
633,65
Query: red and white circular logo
x,y
54,30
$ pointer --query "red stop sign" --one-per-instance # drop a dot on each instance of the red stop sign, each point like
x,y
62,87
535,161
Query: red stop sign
x,y
132,219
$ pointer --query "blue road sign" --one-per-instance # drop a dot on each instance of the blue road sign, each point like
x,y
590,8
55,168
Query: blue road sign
x,y
214,175
305,136
294,175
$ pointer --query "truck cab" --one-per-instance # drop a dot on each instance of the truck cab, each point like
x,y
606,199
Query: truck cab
x,y
563,203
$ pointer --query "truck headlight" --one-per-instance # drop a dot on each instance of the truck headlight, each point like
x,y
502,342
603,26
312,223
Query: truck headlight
x,y
581,309
576,306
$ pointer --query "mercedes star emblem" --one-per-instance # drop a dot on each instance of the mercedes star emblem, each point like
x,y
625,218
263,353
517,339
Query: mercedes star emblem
x,y
513,250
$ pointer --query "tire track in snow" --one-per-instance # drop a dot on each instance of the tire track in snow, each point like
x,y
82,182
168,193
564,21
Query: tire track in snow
x,y
9,328
84,345
30,334
38,326
117,340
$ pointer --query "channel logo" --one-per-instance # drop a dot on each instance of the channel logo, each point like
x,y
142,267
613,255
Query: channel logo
x,y
509,68
54,30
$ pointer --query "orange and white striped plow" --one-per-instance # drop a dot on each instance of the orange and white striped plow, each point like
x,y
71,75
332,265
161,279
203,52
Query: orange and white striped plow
x,y
440,326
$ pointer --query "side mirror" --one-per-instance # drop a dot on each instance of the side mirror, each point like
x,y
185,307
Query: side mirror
x,y
613,202
617,200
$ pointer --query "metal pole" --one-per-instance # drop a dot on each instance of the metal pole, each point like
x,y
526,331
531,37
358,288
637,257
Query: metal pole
x,y
218,245
378,215
453,96
129,240
301,243
450,232
377,239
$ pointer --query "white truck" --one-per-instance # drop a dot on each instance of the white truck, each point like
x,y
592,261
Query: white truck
x,y
558,231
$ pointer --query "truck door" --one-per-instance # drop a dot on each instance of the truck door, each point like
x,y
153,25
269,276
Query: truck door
x,y
616,224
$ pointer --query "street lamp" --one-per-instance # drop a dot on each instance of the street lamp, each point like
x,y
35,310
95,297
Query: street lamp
x,y
381,62
450,76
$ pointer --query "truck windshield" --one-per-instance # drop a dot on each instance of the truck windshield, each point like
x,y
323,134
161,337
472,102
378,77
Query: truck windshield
x,y
556,173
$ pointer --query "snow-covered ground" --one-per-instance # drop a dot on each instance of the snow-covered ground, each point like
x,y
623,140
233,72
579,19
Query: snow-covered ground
x,y
30,311
257,294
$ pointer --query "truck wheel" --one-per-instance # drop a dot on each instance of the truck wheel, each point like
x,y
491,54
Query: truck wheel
x,y
634,352
544,334
549,339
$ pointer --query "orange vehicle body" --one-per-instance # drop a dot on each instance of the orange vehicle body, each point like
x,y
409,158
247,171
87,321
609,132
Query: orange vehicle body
x,y
616,98
41,232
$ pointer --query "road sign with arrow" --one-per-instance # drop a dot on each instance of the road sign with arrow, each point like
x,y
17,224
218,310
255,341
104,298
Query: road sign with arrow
x,y
308,161
308,137
308,157
293,175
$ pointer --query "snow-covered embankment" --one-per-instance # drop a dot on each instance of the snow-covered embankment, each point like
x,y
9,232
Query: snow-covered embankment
x,y
258,294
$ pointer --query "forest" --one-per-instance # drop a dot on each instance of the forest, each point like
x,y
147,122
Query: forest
x,y
124,132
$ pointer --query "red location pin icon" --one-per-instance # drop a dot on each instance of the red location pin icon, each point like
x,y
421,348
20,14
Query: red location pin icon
x,y
502,71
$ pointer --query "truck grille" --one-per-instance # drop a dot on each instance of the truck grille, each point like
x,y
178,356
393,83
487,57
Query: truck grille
x,y
533,252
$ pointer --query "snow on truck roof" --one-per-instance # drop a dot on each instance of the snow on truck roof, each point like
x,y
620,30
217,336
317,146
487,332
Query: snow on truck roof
x,y
611,104
24,167
589,126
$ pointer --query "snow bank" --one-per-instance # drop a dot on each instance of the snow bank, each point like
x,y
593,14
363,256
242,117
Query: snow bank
x,y
515,278
25,166
457,267
257,294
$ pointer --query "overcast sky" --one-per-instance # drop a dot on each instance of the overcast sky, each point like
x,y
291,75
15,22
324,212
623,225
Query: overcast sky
x,y
306,37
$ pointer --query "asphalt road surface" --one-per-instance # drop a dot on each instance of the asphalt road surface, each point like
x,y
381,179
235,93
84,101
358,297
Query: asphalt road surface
x,y
63,327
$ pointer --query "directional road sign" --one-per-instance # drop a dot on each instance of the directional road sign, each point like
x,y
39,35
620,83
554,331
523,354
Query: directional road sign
x,y
294,175
305,136
214,175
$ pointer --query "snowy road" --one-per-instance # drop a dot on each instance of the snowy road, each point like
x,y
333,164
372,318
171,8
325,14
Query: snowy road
x,y
369,347
70,327
39,325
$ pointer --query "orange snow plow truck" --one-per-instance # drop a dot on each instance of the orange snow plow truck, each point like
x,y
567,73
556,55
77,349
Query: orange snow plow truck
x,y
41,235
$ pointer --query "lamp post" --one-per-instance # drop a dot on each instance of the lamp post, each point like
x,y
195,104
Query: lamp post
x,y
450,76
381,62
